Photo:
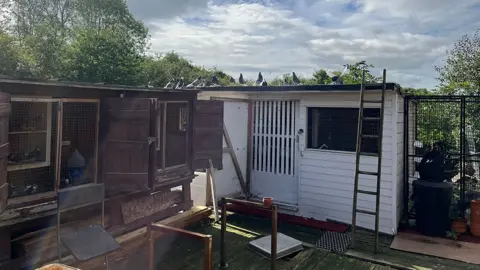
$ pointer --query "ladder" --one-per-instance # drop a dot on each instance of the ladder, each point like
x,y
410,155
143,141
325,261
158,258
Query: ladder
x,y
359,153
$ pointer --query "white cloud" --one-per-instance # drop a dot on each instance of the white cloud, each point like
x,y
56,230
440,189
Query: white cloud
x,y
406,37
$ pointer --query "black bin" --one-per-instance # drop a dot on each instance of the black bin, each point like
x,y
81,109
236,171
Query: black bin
x,y
432,207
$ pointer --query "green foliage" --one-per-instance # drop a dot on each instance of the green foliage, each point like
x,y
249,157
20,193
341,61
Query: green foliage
x,y
460,72
354,73
103,56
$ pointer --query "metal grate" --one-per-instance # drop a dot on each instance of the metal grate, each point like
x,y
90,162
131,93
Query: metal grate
x,y
335,241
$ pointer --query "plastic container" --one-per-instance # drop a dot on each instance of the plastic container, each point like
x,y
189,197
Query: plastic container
x,y
267,201
76,168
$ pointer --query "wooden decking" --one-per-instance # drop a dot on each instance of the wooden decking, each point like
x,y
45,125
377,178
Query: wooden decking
x,y
176,252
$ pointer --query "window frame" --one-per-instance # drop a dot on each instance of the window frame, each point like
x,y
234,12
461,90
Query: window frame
x,y
326,150
161,131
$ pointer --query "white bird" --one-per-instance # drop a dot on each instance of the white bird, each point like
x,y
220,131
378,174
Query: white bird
x,y
170,84
195,83
180,84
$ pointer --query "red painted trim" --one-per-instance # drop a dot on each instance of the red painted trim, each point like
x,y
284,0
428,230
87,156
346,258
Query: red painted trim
x,y
308,222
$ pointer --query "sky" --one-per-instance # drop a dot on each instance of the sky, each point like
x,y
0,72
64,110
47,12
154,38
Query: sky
x,y
408,38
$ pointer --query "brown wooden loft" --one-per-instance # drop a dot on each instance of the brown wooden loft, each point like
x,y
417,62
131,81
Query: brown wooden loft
x,y
141,143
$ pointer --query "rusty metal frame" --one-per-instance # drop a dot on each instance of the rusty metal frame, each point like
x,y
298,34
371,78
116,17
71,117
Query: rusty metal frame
x,y
273,247
152,228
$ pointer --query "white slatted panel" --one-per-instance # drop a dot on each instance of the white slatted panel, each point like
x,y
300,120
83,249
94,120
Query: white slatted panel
x,y
274,137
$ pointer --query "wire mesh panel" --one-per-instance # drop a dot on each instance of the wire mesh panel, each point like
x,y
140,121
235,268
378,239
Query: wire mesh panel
x,y
79,140
472,149
32,137
453,121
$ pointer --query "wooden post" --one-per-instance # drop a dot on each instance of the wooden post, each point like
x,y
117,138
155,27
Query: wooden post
x,y
151,246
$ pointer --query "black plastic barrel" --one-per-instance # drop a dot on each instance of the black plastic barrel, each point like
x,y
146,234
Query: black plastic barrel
x,y
432,207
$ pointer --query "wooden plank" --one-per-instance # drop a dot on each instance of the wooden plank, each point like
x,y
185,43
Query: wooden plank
x,y
133,241
208,134
80,195
236,165
148,205
125,150
211,183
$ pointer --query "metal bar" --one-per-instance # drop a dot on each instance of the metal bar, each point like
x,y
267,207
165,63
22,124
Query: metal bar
x,y
288,140
269,137
223,262
273,247
249,165
275,138
357,159
282,138
58,159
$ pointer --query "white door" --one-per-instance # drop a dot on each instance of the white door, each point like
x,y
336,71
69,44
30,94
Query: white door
x,y
274,170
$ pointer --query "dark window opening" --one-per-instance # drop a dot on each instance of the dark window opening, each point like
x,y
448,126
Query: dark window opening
x,y
172,135
336,129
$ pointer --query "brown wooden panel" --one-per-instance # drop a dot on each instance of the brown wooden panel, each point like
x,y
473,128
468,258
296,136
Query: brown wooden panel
x,y
149,205
118,183
208,134
80,195
5,109
125,147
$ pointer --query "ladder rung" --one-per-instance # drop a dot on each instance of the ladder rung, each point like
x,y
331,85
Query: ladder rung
x,y
372,118
372,101
368,173
369,154
367,192
366,212
368,136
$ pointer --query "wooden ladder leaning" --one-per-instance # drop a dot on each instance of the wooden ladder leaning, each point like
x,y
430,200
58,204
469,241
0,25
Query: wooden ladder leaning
x,y
358,172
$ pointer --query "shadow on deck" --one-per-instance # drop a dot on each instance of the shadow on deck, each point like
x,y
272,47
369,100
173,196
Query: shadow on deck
x,y
176,252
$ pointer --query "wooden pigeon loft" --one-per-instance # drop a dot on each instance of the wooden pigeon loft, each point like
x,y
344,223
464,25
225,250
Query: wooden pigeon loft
x,y
140,143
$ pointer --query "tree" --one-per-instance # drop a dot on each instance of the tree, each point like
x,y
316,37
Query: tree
x,y
353,74
321,77
103,56
460,73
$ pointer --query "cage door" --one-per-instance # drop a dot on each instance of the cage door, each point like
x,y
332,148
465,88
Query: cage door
x,y
125,144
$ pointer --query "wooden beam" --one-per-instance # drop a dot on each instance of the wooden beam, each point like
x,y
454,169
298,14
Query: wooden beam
x,y
238,170
211,183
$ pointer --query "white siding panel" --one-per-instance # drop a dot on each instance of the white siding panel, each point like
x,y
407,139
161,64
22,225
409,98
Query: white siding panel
x,y
327,177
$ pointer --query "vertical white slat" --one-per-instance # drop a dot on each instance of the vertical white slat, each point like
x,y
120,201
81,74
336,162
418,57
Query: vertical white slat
x,y
256,117
277,137
294,139
263,123
282,137
274,136
287,141
269,123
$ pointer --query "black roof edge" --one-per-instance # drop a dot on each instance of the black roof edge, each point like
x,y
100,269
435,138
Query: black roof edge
x,y
113,87
304,88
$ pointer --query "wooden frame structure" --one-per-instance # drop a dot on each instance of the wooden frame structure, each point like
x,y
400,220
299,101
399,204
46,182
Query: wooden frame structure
x,y
273,247
152,228
127,146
